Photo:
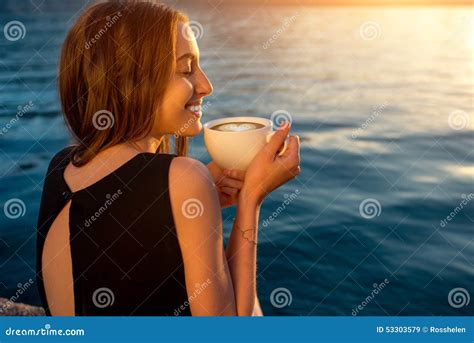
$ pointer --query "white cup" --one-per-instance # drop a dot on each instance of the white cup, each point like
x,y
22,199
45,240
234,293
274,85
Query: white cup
x,y
236,149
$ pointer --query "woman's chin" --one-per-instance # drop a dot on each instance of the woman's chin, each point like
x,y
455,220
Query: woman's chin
x,y
192,131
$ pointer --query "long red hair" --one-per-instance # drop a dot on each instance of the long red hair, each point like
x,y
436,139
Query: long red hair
x,y
116,62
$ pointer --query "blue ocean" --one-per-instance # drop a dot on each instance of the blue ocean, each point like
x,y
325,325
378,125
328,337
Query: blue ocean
x,y
380,220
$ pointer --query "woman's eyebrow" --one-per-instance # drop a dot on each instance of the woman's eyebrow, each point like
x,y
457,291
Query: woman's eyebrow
x,y
189,55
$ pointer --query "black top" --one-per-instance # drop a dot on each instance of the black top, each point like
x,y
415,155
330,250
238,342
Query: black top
x,y
126,258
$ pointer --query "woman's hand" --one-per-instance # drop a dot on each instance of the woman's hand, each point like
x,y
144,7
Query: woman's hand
x,y
228,182
269,171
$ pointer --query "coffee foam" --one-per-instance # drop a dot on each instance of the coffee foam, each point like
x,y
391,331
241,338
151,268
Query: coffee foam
x,y
238,127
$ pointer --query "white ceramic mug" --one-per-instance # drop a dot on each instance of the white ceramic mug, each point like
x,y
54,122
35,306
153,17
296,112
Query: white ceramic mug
x,y
236,149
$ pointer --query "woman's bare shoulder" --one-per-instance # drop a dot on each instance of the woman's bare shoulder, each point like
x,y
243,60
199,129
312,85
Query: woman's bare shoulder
x,y
188,174
192,192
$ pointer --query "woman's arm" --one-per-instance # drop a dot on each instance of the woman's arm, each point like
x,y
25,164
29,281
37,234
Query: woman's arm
x,y
229,183
241,253
267,172
197,216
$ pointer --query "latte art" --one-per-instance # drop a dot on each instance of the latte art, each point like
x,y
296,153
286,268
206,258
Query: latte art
x,y
237,126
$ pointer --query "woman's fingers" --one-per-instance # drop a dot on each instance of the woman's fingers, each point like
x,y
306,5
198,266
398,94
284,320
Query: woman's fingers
x,y
235,174
293,146
229,191
231,183
277,140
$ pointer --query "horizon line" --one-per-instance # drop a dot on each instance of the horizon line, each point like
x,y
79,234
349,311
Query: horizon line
x,y
348,3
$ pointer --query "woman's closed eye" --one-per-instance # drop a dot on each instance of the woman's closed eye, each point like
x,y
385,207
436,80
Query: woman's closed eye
x,y
186,73
186,70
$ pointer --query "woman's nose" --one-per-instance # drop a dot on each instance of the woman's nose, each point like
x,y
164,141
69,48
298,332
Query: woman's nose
x,y
203,86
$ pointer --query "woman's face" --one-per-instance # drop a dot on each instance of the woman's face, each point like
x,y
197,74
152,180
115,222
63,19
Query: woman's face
x,y
181,109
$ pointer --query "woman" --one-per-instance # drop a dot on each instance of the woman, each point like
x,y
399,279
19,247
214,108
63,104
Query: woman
x,y
117,234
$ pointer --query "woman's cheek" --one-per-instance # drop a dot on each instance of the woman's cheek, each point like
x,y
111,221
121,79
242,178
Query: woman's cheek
x,y
178,93
186,89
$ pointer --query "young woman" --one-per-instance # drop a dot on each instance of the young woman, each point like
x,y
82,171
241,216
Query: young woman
x,y
118,231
